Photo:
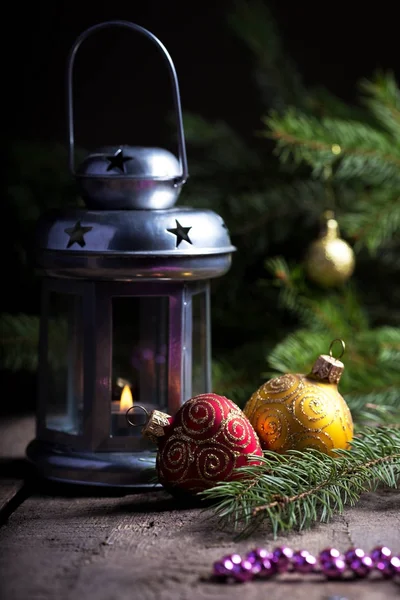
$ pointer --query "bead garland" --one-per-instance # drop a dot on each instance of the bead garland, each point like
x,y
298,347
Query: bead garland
x,y
262,564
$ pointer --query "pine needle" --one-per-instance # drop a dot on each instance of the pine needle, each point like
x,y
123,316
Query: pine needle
x,y
295,490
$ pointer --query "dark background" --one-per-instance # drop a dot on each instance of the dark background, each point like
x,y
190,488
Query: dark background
x,y
122,91
121,84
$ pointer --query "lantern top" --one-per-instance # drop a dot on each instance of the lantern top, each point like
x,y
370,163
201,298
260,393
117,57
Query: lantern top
x,y
130,162
110,241
176,243
128,177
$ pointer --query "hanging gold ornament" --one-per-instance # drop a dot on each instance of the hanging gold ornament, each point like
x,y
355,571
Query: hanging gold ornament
x,y
330,260
296,412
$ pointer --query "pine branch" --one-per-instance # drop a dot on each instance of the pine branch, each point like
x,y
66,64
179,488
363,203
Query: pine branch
x,y
232,379
38,179
374,220
277,203
347,472
378,406
276,74
225,148
295,490
371,379
354,150
19,341
324,104
383,100
341,311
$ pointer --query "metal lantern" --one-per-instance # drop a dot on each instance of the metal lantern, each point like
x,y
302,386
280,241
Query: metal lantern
x,y
126,306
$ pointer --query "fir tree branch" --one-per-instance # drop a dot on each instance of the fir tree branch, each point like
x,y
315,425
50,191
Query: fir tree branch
x,y
295,490
285,500
276,74
226,150
383,100
376,219
371,379
324,104
355,150
19,341
279,202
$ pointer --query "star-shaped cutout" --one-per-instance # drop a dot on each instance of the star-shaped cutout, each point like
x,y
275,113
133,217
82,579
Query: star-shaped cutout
x,y
181,233
76,234
117,161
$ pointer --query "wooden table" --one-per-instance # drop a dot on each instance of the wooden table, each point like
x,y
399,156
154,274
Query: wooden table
x,y
56,543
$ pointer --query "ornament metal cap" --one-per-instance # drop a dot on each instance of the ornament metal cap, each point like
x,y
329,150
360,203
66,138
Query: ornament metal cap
x,y
156,424
327,368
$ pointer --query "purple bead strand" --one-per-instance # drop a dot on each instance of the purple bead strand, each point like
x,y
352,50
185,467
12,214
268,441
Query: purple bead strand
x,y
259,563
304,562
282,558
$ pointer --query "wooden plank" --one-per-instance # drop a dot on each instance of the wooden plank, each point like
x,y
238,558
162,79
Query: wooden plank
x,y
375,520
142,547
15,433
8,491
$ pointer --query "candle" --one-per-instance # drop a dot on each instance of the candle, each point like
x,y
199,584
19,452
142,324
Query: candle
x,y
120,425
126,400
119,407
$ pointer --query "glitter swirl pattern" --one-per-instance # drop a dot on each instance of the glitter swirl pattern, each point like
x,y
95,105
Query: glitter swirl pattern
x,y
322,442
314,409
297,412
279,385
209,438
237,432
214,462
271,423
202,416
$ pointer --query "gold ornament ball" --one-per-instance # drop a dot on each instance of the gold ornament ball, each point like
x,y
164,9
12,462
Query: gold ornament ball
x,y
296,412
330,260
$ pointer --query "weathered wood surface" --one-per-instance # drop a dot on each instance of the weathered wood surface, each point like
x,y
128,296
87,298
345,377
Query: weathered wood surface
x,y
14,433
65,546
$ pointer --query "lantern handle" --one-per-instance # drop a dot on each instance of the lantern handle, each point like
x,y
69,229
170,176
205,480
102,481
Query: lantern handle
x,y
175,88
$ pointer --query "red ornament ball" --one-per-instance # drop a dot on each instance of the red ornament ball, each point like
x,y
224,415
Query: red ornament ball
x,y
204,443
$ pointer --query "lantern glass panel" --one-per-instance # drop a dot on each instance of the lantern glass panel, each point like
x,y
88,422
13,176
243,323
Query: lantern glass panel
x,y
200,375
64,406
139,358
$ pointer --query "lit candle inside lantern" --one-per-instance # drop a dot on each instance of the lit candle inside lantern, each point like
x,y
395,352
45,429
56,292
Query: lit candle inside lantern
x,y
126,399
118,409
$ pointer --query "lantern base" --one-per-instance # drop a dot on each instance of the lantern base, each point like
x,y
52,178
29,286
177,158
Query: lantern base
x,y
109,469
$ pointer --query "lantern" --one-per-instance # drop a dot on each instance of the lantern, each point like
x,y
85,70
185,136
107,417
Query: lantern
x,y
125,305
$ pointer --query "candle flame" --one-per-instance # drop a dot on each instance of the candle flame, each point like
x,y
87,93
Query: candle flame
x,y
126,399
